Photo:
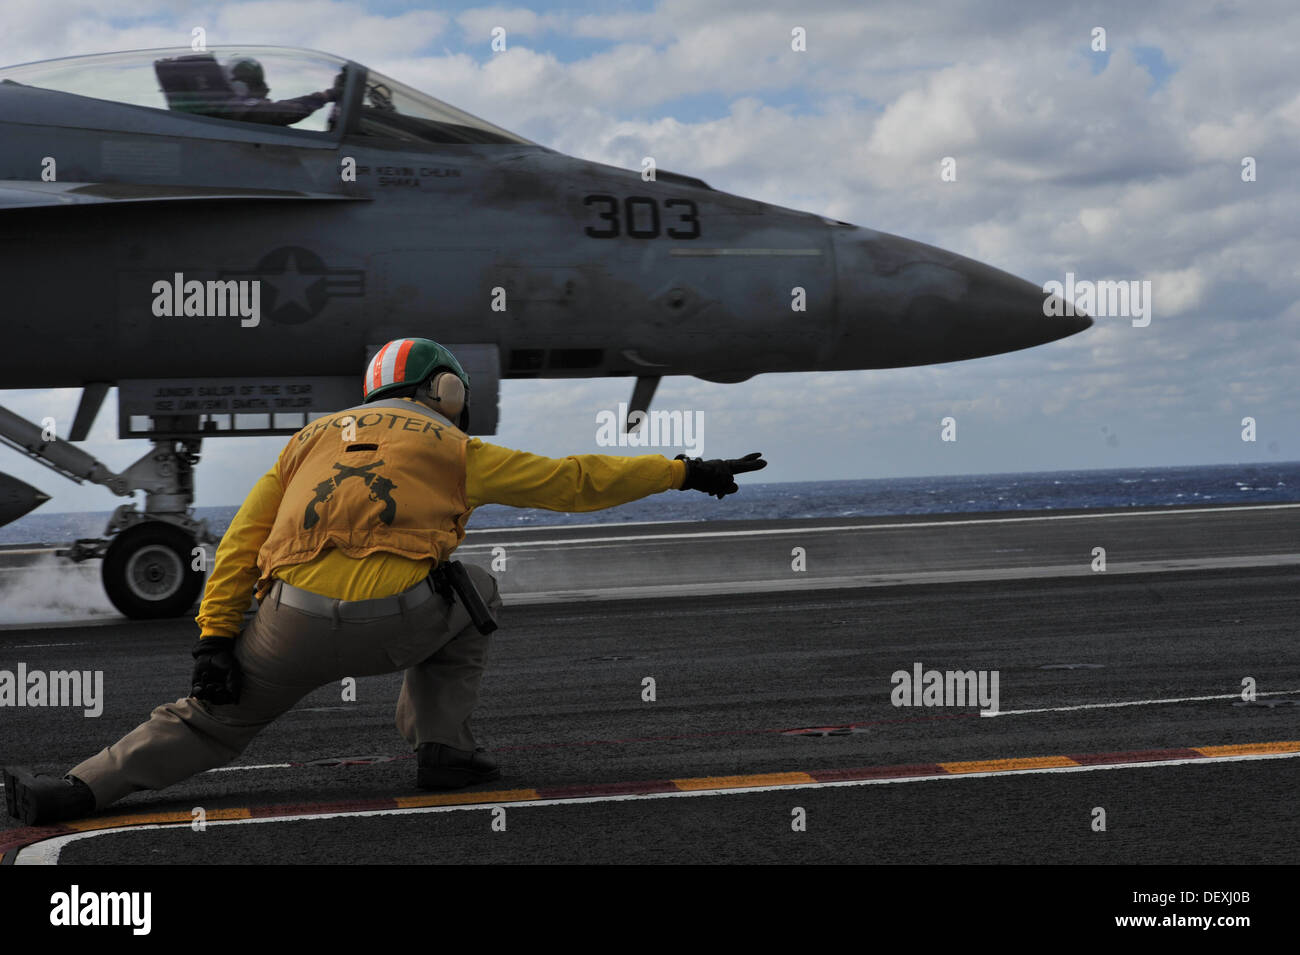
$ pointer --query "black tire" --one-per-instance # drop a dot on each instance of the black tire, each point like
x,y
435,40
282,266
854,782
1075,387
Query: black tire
x,y
148,572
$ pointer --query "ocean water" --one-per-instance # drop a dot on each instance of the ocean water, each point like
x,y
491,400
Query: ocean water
x,y
1052,490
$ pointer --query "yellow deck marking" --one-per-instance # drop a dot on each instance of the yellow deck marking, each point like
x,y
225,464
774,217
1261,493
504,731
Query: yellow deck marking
x,y
1248,749
143,819
1006,765
742,782
460,799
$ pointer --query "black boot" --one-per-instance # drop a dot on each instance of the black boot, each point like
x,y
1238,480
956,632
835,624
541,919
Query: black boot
x,y
445,767
38,800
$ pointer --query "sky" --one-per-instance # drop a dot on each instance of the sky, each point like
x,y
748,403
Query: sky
x,y
1122,164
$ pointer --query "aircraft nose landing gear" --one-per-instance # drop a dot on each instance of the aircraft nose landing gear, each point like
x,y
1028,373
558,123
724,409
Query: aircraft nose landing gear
x,y
154,564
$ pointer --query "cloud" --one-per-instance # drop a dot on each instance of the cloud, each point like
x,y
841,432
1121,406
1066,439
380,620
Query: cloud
x,y
1063,164
479,23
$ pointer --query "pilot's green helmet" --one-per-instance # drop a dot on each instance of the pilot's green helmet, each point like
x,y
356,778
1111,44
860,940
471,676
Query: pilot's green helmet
x,y
406,362
248,71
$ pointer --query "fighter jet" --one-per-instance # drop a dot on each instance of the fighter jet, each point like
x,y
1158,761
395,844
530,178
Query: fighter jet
x,y
227,235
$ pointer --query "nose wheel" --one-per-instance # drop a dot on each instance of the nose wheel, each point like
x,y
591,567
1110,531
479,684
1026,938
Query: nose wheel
x,y
148,571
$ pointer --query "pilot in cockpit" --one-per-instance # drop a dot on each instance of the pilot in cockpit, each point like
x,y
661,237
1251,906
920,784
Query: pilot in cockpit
x,y
251,105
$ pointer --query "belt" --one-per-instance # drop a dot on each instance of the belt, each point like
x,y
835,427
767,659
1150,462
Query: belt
x,y
334,609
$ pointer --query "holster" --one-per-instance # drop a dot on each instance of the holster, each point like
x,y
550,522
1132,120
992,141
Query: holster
x,y
450,578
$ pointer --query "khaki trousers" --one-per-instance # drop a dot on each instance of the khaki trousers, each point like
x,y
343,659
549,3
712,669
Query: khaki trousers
x,y
285,654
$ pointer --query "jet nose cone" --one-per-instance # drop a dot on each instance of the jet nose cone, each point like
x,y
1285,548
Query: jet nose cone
x,y
999,312
911,303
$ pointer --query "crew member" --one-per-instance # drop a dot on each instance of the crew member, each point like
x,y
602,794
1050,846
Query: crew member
x,y
346,543
250,102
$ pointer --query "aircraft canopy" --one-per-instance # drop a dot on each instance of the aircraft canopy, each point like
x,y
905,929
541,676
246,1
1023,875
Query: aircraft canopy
x,y
210,84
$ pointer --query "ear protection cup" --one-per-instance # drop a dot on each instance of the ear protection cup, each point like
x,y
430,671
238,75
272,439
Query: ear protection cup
x,y
448,391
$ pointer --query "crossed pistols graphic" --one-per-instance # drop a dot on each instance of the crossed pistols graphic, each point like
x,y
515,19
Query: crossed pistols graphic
x,y
380,490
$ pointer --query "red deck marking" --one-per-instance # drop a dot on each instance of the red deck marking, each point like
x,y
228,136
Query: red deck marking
x,y
17,838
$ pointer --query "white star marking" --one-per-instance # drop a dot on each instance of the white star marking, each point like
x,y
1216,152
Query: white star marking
x,y
291,286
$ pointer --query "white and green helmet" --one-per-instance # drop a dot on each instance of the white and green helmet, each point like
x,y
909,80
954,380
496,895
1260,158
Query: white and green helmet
x,y
404,362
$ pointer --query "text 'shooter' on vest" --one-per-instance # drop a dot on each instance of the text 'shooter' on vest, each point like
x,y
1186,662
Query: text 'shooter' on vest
x,y
393,482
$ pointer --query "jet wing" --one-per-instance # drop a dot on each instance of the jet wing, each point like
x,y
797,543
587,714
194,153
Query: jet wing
x,y
28,194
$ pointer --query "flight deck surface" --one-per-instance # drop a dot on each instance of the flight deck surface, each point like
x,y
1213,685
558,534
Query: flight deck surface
x,y
1118,689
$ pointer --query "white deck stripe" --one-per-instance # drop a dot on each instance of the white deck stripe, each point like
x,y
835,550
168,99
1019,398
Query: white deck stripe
x,y
1050,709
47,851
897,526
1103,706
799,582
231,769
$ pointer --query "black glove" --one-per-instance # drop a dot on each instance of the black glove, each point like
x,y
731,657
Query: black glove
x,y
217,676
715,476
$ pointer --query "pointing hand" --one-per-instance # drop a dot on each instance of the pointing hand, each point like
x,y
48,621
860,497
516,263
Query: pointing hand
x,y
716,476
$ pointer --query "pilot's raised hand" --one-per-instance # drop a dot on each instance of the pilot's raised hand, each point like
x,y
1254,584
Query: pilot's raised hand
x,y
716,476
